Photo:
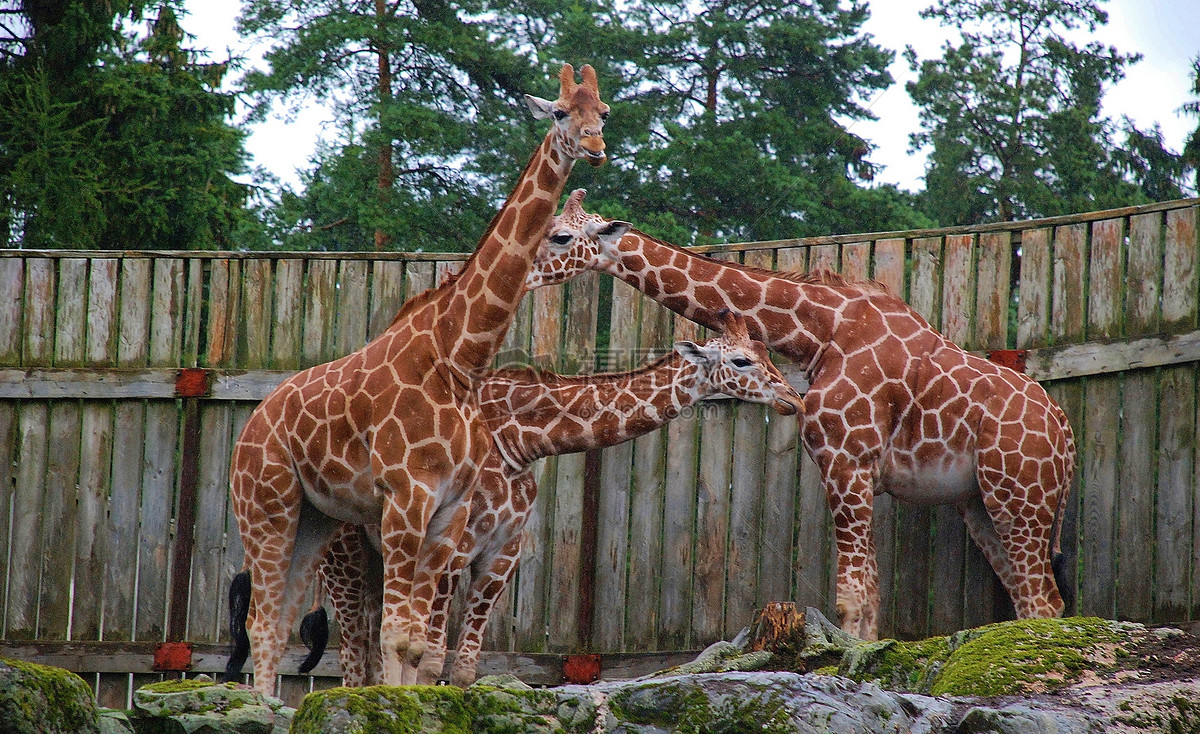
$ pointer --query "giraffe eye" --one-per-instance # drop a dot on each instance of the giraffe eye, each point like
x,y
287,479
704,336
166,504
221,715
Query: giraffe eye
x,y
604,115
559,114
561,239
741,362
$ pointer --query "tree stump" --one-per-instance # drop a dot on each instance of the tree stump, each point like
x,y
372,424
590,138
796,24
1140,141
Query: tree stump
x,y
778,628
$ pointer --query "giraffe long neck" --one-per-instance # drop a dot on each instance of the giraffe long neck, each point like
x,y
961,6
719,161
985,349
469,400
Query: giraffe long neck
x,y
534,415
475,313
790,316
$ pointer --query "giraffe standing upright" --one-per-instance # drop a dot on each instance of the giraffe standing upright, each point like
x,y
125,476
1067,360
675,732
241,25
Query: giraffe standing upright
x,y
391,433
893,406
532,415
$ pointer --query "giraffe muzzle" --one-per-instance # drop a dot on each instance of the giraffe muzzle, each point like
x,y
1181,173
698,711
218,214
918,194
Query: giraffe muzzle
x,y
789,404
593,149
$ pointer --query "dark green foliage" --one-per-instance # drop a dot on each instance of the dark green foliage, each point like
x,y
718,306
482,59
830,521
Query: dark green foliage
x,y
1013,117
117,143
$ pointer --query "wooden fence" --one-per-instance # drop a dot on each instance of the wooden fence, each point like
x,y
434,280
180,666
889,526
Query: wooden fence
x,y
116,532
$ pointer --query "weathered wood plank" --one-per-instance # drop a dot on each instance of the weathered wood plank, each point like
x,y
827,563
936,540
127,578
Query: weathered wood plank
x,y
38,337
194,296
856,260
926,283
578,353
208,592
387,293
532,583
320,312
256,326
679,517
888,264
1135,478
352,307
220,338
418,277
824,256
950,541
1033,302
646,505
289,311
616,470
1099,442
991,305
781,471
12,288
26,540
746,502
712,523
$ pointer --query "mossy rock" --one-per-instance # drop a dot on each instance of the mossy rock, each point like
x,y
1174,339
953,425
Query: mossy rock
x,y
383,710
40,699
683,706
1023,656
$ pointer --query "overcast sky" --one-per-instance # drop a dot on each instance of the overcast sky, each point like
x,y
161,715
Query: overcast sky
x,y
1165,32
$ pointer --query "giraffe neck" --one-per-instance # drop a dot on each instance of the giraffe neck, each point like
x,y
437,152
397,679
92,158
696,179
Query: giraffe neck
x,y
789,315
478,306
533,415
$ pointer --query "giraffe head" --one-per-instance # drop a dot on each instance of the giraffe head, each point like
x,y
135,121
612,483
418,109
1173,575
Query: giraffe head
x,y
578,115
575,242
733,364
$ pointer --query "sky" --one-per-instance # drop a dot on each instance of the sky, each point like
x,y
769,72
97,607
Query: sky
x,y
1163,31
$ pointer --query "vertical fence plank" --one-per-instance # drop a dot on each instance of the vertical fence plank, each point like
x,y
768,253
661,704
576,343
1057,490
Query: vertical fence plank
x,y
1068,323
91,541
1176,505
531,585
950,541
256,300
888,268
1033,305
219,343
158,464
12,286
1100,436
780,486
992,301
387,292
207,597
823,256
1139,410
746,501
289,311
648,495
26,539
856,261
679,516
352,307
62,466
578,354
616,469
12,308
129,430
712,523
320,312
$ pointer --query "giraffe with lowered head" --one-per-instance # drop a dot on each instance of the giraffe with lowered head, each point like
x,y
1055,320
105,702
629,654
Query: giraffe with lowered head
x,y
893,406
533,414
391,433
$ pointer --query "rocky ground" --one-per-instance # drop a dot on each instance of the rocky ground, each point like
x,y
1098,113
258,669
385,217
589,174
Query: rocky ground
x,y
798,673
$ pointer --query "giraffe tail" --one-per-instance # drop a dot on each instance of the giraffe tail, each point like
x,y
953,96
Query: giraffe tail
x,y
314,632
239,609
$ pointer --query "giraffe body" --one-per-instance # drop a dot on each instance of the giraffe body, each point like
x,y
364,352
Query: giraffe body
x,y
531,415
391,434
892,406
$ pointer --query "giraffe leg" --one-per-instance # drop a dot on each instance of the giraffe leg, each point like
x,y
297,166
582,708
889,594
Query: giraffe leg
x,y
1023,521
445,532
983,532
347,572
489,578
279,578
851,502
402,532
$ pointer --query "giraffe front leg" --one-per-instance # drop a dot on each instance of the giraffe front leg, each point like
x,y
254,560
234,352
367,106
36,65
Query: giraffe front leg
x,y
490,577
851,502
401,532
441,543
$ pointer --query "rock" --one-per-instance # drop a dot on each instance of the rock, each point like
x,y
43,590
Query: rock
x,y
199,706
39,699
113,721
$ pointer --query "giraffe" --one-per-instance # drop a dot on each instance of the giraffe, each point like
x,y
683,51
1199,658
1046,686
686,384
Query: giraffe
x,y
893,406
531,415
391,433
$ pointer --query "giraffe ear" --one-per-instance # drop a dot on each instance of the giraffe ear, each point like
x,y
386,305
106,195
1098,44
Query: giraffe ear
x,y
696,353
608,230
541,108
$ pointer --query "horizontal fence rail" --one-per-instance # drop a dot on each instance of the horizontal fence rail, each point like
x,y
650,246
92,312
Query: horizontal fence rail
x,y
126,376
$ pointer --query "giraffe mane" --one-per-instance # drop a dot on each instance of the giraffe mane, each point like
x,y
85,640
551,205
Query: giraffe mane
x,y
424,297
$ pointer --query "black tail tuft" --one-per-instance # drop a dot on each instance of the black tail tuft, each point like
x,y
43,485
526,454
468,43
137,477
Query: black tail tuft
x,y
314,632
1066,584
239,609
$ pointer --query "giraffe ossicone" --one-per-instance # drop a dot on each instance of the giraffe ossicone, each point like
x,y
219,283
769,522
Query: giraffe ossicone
x,y
391,433
533,414
892,406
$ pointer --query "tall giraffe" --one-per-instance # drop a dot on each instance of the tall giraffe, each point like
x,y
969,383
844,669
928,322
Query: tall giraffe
x,y
391,433
532,415
893,406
